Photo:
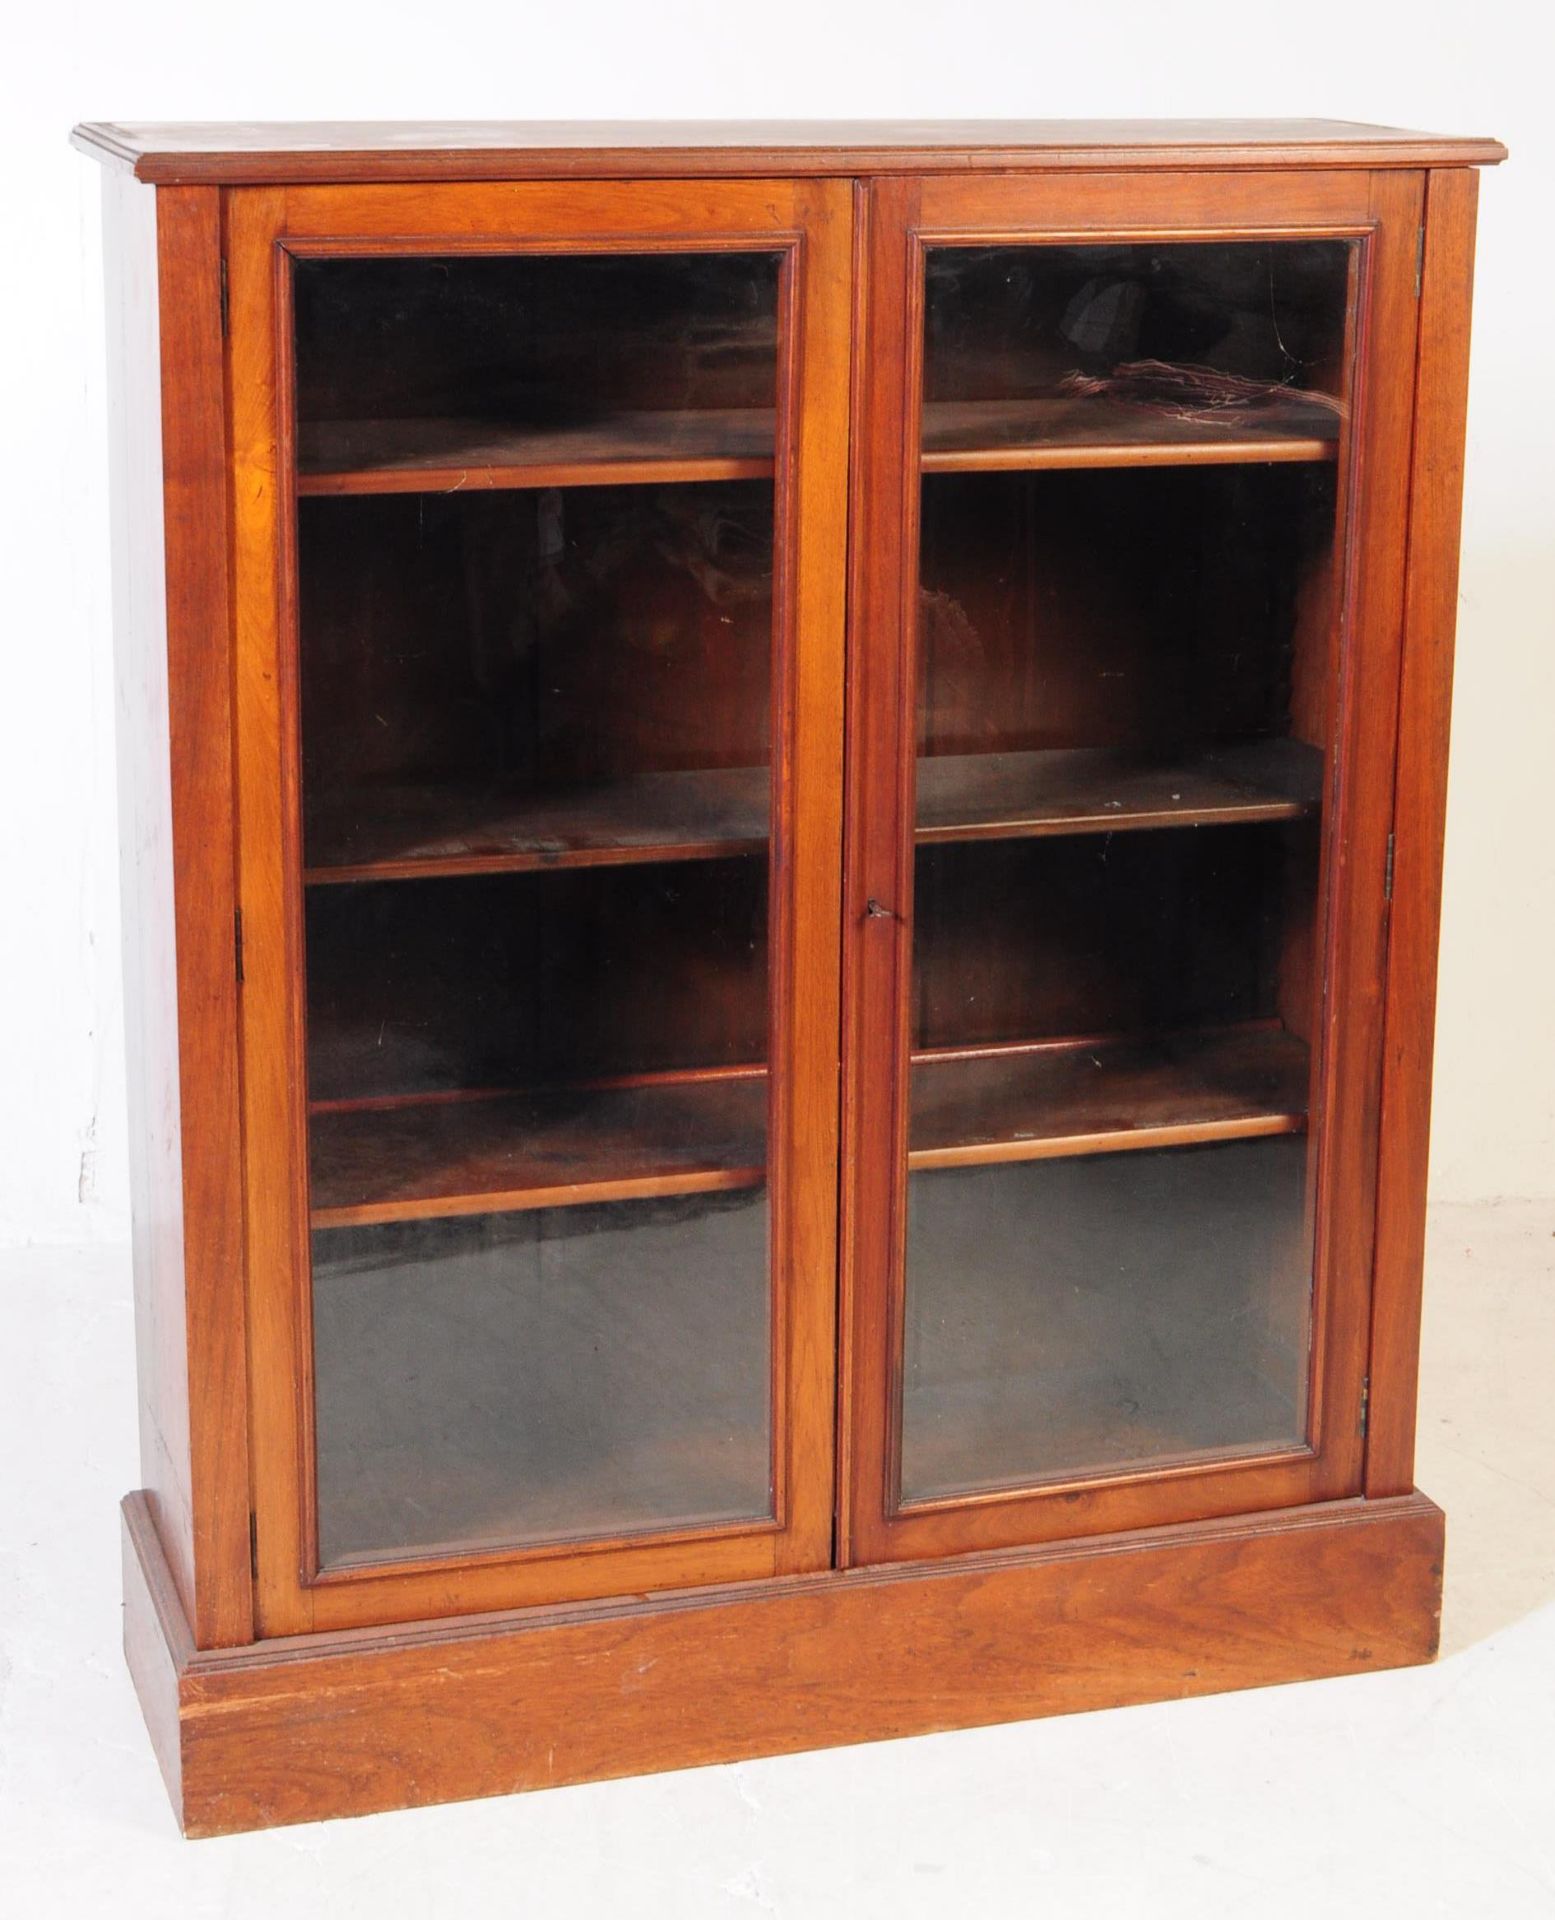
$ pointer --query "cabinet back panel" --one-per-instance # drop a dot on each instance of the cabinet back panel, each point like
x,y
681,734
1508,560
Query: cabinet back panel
x,y
503,638
1157,609
1142,932
535,338
435,985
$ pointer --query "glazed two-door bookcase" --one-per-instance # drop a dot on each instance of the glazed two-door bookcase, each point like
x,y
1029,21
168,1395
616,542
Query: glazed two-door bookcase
x,y
782,799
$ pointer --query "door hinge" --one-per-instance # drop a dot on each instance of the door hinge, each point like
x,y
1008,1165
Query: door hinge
x,y
1419,258
225,306
1387,872
253,1545
1365,1404
237,942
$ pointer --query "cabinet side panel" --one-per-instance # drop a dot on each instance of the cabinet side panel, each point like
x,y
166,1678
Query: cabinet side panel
x,y
167,431
199,651
146,865
1420,805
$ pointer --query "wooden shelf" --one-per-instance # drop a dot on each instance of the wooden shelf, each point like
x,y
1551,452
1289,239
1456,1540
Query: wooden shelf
x,y
736,443
492,1153
1049,431
1075,1096
1002,796
453,456
505,1152
713,813
410,832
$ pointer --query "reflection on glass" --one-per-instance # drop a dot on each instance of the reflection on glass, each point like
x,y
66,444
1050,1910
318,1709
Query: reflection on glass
x,y
541,1375
1083,1315
535,567
1126,690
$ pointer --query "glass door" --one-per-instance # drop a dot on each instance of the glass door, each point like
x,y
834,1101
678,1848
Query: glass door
x,y
1121,1282
563,779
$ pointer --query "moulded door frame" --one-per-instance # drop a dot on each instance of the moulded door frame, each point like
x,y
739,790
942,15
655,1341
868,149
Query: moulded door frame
x,y
901,218
810,222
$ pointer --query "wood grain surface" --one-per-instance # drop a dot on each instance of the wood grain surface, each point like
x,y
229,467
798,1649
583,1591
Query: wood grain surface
x,y
809,222
495,1152
336,1724
1419,821
173,689
279,1690
450,456
295,152
884,990
1055,432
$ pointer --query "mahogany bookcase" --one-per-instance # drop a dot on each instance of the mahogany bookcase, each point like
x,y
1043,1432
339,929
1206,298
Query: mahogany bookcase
x,y
782,801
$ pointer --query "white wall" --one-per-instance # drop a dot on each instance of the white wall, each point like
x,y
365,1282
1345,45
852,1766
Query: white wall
x,y
1433,64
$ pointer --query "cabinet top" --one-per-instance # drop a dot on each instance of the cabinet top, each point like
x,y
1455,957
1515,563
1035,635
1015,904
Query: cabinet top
x,y
277,152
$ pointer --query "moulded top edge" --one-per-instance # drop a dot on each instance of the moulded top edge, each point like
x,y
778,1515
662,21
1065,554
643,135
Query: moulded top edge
x,y
276,153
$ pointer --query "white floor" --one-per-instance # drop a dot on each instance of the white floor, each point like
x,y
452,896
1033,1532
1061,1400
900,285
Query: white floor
x,y
1425,1792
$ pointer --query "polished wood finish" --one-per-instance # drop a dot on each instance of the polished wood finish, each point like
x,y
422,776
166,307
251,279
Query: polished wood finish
x,y
449,456
170,567
985,777
885,1006
564,1147
711,813
811,223
351,1723
1055,434
960,436
443,1155
1010,796
296,152
702,813
1104,1096
1419,818
159,1644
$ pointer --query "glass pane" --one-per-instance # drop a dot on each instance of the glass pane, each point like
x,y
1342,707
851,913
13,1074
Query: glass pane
x,y
535,566
1127,664
1121,1309
542,1374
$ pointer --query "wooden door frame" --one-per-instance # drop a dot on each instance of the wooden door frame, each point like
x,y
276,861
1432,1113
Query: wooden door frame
x,y
899,218
810,222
